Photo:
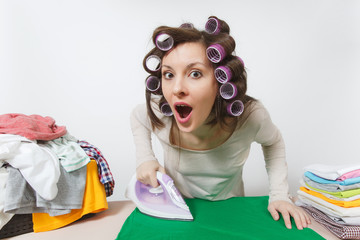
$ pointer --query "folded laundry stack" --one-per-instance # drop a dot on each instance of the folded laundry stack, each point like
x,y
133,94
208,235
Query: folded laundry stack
x,y
48,174
331,195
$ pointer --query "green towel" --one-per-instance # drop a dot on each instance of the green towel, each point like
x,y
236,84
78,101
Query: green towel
x,y
234,218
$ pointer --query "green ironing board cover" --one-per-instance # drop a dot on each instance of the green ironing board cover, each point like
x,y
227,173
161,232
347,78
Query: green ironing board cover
x,y
234,218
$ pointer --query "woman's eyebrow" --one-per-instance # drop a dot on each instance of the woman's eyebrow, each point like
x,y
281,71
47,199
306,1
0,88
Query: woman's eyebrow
x,y
194,64
167,66
190,65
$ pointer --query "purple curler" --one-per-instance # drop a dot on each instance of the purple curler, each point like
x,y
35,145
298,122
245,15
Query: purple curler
x,y
236,108
223,74
166,109
228,90
164,41
215,53
242,62
212,26
187,25
152,83
153,63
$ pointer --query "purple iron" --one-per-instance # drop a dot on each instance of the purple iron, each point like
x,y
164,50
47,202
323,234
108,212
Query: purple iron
x,y
164,201
212,26
215,53
223,74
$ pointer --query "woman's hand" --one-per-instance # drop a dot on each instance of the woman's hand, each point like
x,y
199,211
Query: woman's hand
x,y
288,210
146,172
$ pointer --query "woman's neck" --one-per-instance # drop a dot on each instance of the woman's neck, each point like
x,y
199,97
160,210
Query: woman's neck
x,y
205,138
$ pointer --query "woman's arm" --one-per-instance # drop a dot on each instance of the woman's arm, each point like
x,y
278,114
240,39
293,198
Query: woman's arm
x,y
146,162
275,159
273,148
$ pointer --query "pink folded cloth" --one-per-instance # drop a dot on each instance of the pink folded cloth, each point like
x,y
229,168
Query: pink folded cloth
x,y
352,174
33,127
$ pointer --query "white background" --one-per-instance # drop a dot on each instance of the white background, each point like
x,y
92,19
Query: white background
x,y
80,62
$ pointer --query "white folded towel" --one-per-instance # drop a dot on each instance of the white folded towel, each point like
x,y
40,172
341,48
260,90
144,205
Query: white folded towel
x,y
331,172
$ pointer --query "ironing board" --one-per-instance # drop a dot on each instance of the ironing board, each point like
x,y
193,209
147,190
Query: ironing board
x,y
235,218
107,224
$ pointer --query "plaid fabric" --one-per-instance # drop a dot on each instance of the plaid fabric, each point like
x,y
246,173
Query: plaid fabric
x,y
341,231
104,172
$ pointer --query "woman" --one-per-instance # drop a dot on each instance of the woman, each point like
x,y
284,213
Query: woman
x,y
196,104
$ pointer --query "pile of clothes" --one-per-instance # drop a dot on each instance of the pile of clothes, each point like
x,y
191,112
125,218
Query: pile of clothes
x,y
46,172
331,195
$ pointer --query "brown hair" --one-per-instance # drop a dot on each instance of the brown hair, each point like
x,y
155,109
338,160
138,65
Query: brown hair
x,y
187,34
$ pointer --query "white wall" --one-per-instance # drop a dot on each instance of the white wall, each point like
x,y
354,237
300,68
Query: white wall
x,y
80,62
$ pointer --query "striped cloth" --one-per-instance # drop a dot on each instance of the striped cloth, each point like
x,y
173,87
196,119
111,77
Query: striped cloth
x,y
341,231
104,172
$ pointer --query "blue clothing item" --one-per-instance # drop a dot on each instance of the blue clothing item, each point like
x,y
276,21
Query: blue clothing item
x,y
321,180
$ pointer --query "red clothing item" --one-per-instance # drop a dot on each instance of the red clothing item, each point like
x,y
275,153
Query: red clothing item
x,y
33,127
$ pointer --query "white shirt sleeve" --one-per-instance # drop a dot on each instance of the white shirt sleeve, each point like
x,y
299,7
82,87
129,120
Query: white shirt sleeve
x,y
273,148
141,130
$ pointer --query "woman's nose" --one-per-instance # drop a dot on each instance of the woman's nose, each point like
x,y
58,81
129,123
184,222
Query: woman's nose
x,y
179,88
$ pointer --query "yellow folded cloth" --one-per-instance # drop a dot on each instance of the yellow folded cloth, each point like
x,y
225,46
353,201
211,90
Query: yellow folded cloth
x,y
94,201
345,204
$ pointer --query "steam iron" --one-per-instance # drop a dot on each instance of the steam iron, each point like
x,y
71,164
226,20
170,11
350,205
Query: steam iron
x,y
164,201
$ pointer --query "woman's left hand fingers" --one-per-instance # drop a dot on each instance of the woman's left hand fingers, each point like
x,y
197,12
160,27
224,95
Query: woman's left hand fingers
x,y
289,210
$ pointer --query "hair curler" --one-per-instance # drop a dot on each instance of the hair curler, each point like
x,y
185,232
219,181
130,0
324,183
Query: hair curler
x,y
242,62
166,109
164,41
215,53
153,63
152,83
223,74
187,25
228,90
236,108
212,26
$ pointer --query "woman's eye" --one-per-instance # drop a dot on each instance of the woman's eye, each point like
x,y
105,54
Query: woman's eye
x,y
167,75
195,74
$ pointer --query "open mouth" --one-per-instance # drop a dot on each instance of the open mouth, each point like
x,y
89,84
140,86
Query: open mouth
x,y
183,110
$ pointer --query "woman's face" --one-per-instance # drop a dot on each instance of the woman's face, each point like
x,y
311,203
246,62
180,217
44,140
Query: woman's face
x,y
189,85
